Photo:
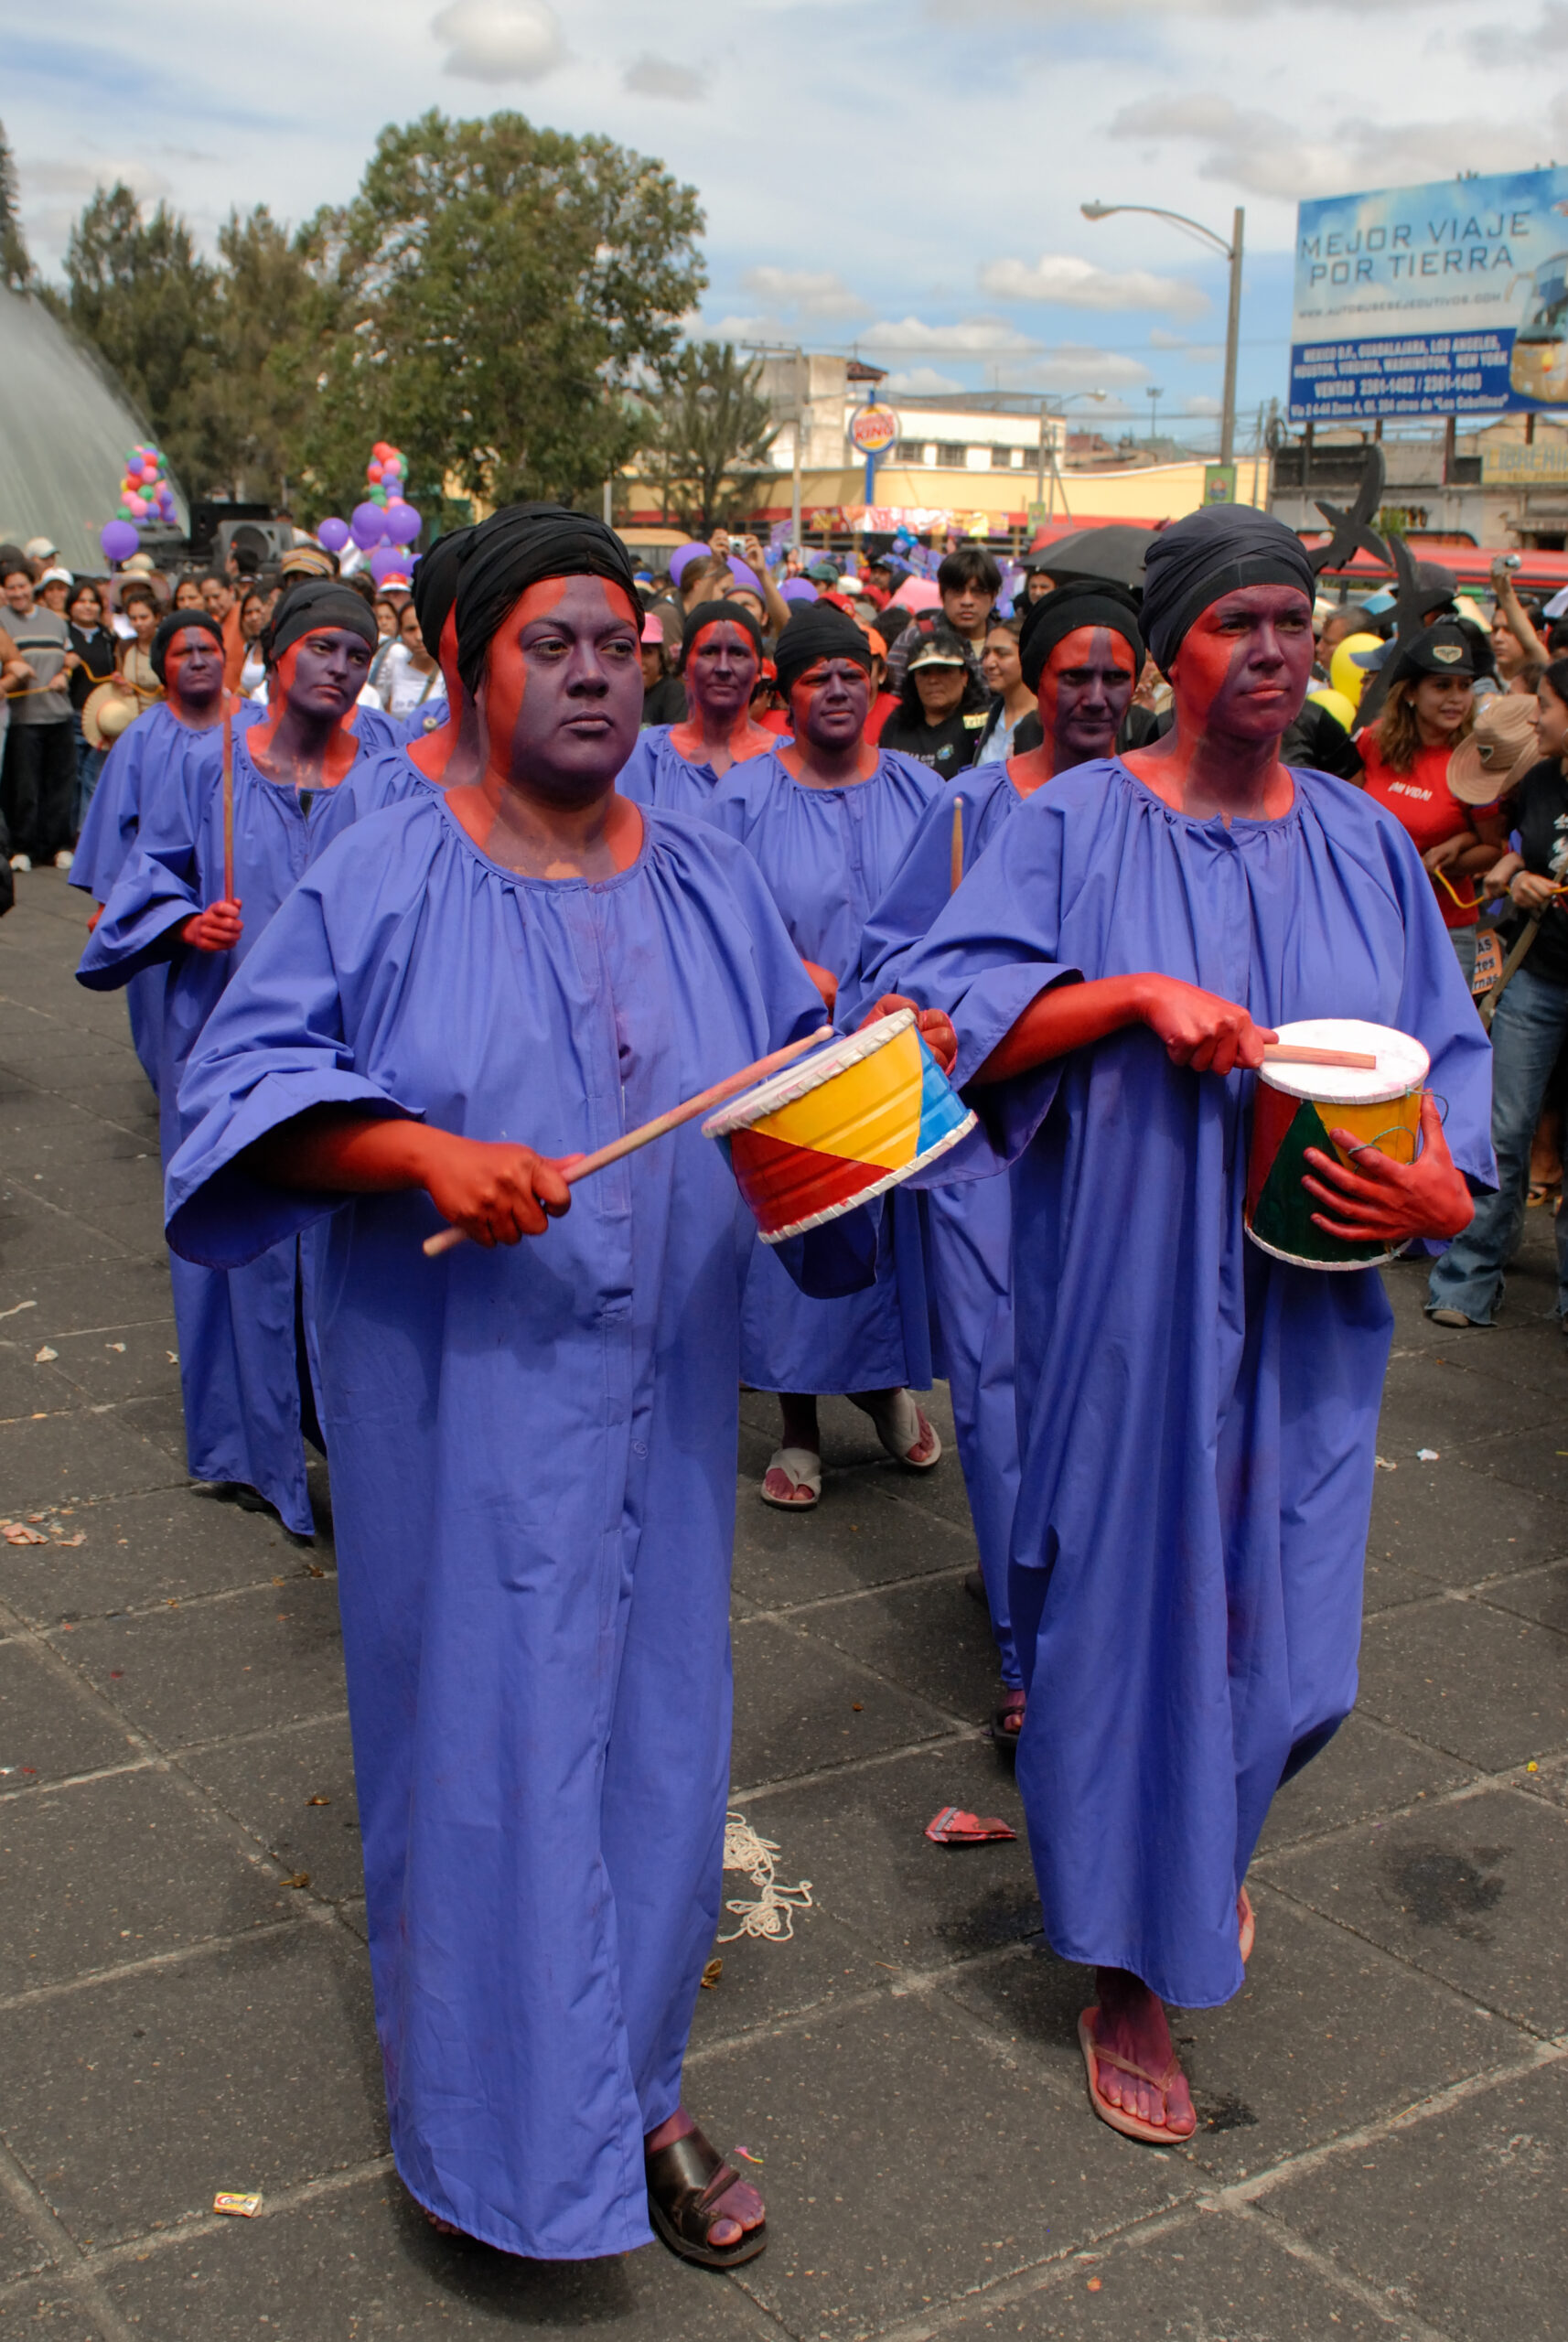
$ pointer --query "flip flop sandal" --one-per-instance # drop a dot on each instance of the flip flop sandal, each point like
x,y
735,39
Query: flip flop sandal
x,y
803,1468
901,1425
1246,1925
686,2181
1131,2126
1008,1721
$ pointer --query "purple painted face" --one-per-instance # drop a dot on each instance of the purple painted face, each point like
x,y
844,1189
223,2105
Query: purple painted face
x,y
324,672
1244,665
722,668
1085,690
562,687
193,667
829,703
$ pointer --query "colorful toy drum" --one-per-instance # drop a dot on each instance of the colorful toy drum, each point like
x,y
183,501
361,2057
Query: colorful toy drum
x,y
840,1127
1297,1106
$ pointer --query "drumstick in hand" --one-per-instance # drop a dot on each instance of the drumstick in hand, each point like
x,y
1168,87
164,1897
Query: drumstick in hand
x,y
731,1087
1297,1053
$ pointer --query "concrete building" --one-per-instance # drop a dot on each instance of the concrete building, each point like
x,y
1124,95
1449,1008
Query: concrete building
x,y
1506,486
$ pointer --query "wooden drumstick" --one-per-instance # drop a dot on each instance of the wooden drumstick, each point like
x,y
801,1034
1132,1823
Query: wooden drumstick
x,y
955,867
1297,1053
446,1238
227,804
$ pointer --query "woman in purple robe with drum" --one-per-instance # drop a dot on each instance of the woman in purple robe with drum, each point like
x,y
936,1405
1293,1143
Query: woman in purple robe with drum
x,y
1196,1413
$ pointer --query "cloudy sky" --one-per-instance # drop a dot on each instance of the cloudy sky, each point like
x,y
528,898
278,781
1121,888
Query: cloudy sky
x,y
905,182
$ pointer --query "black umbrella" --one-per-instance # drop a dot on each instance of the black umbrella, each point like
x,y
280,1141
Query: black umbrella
x,y
1115,551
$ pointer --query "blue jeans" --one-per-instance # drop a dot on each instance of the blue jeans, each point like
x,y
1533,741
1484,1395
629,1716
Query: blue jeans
x,y
1462,939
90,763
1527,1030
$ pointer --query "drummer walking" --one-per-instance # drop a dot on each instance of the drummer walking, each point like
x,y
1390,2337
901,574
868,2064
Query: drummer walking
x,y
1196,1417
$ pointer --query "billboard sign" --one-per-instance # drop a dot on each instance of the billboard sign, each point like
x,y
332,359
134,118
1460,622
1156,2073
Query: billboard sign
x,y
1447,299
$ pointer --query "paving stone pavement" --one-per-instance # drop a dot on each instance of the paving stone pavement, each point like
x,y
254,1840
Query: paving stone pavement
x,y
184,2002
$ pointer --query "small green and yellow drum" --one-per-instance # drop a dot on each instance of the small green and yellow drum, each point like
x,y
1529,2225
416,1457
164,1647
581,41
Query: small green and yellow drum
x,y
1297,1106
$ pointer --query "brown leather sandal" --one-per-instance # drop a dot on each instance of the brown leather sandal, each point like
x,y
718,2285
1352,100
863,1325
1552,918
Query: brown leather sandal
x,y
686,2181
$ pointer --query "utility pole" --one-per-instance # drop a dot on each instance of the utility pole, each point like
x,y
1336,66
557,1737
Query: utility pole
x,y
800,437
1232,340
1151,394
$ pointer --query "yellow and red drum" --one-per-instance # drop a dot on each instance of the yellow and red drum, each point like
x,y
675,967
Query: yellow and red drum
x,y
843,1124
1297,1106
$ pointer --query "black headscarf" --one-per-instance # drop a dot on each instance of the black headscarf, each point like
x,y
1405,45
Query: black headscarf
x,y
718,614
315,603
816,630
1061,612
516,548
176,623
1209,553
436,585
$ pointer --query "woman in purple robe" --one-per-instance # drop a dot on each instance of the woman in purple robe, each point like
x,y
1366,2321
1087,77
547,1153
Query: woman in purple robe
x,y
1196,1418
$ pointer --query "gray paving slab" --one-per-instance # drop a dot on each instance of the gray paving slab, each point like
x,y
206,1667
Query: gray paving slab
x,y
32,1386
131,2104
141,1551
91,1289
1458,2219
1440,1402
932,1637
121,1362
136,1868
799,1705
1212,2277
205,1671
870,1535
361,2264
1366,1769
63,1459
23,2250
1470,1892
51,2317
909,2156
1453,1523
51,1728
294,1790
1488,1688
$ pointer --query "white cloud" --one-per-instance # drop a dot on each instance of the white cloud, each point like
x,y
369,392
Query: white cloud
x,y
1059,277
660,76
1269,157
736,329
1077,366
922,379
499,40
816,293
58,178
974,338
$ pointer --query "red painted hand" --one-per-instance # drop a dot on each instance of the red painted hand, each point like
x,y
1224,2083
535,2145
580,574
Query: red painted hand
x,y
1381,1201
494,1193
1199,1029
936,1027
217,929
827,983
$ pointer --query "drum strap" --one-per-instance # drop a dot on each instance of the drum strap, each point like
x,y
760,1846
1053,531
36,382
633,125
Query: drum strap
x,y
1489,1006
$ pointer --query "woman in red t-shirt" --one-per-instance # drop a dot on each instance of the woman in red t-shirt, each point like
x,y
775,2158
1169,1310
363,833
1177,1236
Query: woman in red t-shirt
x,y
1404,756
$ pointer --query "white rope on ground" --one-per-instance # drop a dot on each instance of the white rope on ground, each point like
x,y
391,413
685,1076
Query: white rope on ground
x,y
772,1915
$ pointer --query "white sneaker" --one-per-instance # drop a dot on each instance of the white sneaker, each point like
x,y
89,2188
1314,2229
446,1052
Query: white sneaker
x,y
21,862
64,858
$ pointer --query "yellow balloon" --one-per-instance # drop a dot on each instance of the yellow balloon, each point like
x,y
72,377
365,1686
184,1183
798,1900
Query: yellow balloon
x,y
1347,678
1341,709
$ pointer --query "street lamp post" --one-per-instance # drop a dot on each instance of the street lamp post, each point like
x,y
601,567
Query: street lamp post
x,y
1233,252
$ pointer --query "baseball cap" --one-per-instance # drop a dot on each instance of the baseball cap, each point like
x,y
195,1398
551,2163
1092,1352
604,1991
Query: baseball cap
x,y
41,549
1445,648
933,653
57,578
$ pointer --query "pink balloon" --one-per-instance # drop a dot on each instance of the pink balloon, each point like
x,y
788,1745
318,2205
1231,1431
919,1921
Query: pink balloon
x,y
137,507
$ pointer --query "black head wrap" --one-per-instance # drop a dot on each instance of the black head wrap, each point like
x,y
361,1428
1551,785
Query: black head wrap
x,y
176,623
1211,553
436,585
718,614
516,548
317,602
816,630
1062,611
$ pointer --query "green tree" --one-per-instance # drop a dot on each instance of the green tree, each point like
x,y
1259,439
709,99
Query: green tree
x,y
241,406
709,429
139,290
490,301
16,268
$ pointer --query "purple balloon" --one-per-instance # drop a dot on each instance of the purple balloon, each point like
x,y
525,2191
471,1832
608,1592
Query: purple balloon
x,y
797,589
386,561
689,551
333,535
368,526
403,523
119,540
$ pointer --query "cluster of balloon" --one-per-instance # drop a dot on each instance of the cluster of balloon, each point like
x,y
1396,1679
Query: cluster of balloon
x,y
144,495
385,526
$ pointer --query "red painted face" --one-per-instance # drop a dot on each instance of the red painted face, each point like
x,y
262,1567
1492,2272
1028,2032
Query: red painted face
x,y
829,703
1244,665
721,669
1086,688
324,672
563,686
193,667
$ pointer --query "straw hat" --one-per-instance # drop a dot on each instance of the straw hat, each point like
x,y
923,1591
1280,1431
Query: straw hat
x,y
106,712
154,579
1498,752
